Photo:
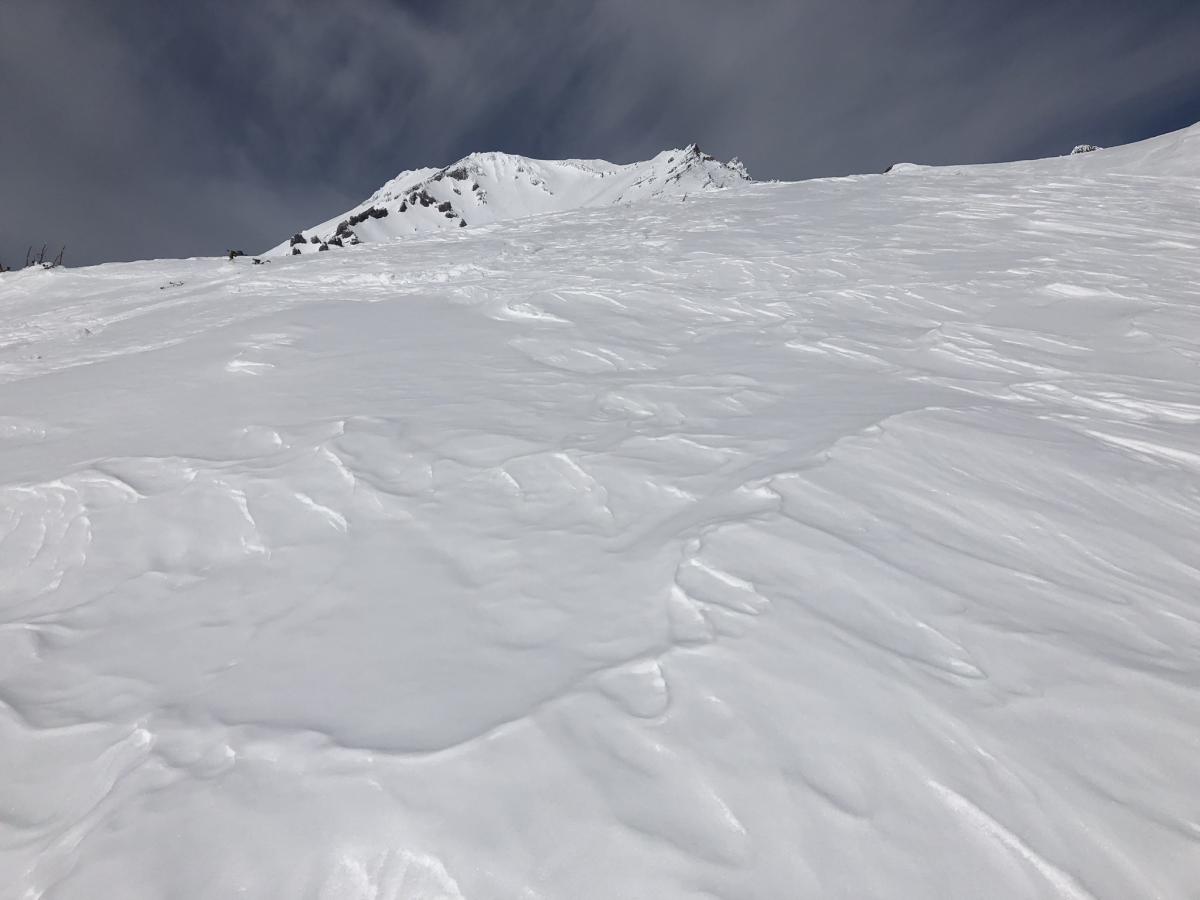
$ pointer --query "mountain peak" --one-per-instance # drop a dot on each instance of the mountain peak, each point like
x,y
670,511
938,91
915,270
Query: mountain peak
x,y
494,186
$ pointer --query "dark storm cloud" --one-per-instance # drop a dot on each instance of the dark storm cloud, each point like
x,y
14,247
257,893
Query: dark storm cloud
x,y
142,129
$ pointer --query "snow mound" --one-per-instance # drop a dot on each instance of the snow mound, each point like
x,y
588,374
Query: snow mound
x,y
491,187
901,167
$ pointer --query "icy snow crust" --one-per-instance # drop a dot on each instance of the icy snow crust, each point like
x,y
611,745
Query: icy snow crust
x,y
484,188
835,539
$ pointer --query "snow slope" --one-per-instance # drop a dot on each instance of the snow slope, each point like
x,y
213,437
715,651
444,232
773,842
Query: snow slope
x,y
825,540
491,187
1169,155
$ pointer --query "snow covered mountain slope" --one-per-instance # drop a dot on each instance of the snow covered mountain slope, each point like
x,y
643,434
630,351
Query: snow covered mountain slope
x,y
491,187
1176,154
825,540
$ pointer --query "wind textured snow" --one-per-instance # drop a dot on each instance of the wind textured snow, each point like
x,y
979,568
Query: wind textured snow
x,y
833,539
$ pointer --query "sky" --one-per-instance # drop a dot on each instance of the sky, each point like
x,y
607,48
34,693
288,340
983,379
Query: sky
x,y
135,129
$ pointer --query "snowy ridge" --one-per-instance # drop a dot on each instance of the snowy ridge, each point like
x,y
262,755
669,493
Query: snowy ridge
x,y
489,187
820,540
1175,155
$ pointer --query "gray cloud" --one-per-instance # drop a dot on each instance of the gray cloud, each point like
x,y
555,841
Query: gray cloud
x,y
139,129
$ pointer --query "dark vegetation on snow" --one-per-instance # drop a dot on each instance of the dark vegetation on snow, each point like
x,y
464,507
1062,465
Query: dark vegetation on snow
x,y
39,259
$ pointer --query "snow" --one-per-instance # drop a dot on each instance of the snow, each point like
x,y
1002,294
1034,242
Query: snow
x,y
832,539
485,188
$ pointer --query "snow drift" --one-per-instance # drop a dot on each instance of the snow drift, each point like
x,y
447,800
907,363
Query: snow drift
x,y
834,539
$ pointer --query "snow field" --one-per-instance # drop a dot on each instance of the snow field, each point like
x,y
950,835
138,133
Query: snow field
x,y
835,539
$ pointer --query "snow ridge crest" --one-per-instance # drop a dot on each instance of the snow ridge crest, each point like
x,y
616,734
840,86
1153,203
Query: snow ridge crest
x,y
482,188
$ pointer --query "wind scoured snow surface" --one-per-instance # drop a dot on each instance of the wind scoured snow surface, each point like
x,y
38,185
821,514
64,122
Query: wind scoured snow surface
x,y
484,188
836,539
